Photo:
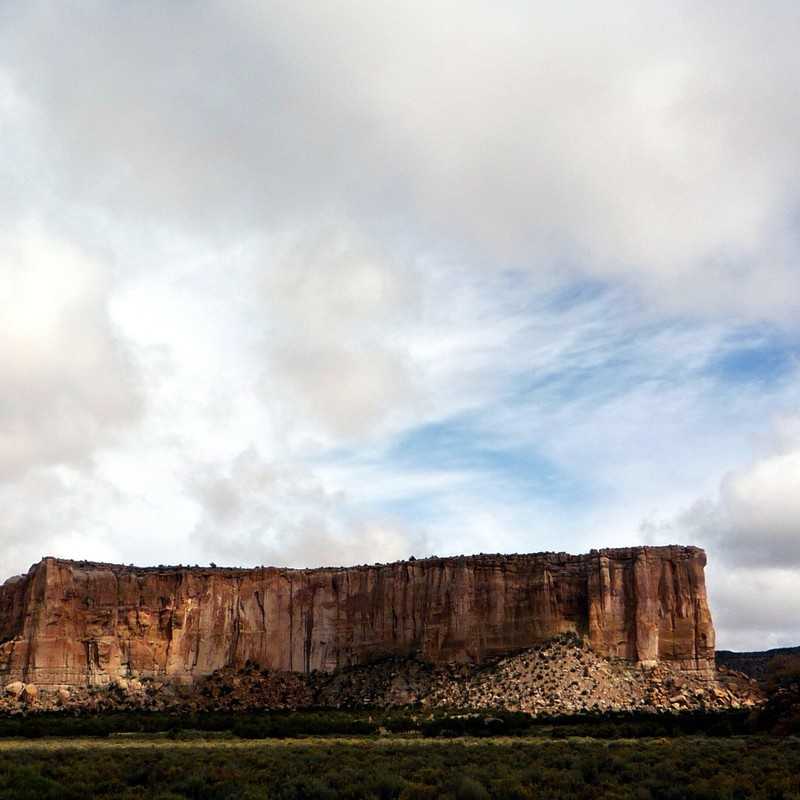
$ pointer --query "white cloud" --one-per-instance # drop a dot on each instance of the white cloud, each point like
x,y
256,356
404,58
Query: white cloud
x,y
257,512
336,320
757,516
651,144
69,384
59,512
751,529
754,608
754,520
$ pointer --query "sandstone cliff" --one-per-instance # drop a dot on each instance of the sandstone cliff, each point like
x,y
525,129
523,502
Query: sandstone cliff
x,y
80,623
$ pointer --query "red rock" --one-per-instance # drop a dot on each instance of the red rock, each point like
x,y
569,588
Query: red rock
x,y
78,623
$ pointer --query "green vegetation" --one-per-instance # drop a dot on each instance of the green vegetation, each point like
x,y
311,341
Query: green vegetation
x,y
371,722
781,714
782,671
683,768
404,753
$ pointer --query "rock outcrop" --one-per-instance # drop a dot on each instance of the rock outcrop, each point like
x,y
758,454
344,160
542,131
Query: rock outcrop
x,y
70,623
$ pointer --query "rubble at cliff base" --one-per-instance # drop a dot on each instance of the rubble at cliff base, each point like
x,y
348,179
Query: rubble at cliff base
x,y
561,677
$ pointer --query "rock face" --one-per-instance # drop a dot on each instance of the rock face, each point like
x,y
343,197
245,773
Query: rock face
x,y
70,623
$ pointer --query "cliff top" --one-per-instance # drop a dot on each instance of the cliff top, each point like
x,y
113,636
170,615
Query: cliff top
x,y
673,550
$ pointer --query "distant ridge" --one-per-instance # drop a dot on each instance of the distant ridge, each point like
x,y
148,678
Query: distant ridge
x,y
753,664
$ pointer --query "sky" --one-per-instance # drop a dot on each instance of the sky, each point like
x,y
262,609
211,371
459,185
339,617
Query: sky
x,y
333,283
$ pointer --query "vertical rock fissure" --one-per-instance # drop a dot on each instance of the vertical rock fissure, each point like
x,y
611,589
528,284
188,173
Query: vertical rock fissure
x,y
235,621
260,603
291,624
307,644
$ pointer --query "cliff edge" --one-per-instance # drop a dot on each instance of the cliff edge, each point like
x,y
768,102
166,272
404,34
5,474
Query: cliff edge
x,y
70,623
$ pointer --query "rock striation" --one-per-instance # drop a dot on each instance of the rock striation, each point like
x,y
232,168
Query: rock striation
x,y
69,623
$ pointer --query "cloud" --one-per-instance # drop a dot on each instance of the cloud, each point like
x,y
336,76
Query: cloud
x,y
754,520
56,511
754,608
69,383
751,529
651,145
70,392
256,512
337,314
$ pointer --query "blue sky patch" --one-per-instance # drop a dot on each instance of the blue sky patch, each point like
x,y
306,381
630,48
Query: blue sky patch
x,y
754,356
458,445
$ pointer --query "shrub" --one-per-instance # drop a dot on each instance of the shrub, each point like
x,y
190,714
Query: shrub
x,y
387,787
304,788
782,670
470,789
420,791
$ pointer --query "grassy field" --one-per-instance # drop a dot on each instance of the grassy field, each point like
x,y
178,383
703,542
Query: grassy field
x,y
223,766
